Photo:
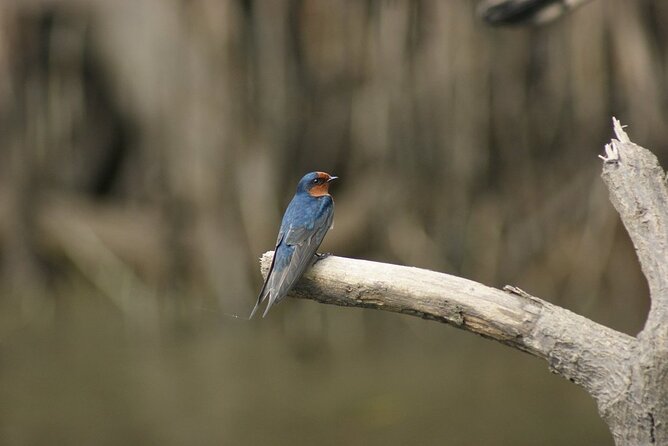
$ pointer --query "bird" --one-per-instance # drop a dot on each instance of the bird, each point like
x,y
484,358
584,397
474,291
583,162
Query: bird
x,y
305,222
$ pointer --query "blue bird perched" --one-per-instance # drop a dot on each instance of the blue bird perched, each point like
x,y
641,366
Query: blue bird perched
x,y
305,223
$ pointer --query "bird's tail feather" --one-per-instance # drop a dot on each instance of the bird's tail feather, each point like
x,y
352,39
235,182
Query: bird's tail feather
x,y
260,299
254,310
263,292
272,300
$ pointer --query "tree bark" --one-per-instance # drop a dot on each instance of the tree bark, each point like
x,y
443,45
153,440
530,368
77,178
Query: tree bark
x,y
627,376
638,191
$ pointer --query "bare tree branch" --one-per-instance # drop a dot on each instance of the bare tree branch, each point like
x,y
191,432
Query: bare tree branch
x,y
638,190
574,347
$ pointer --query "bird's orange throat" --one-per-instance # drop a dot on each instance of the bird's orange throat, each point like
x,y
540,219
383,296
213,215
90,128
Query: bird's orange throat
x,y
319,190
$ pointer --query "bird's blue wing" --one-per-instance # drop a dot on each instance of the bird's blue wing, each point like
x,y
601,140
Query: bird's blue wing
x,y
293,254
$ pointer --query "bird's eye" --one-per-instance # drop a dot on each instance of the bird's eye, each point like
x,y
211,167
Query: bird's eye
x,y
316,180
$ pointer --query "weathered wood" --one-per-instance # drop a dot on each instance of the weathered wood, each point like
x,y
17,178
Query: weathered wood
x,y
627,376
574,347
638,190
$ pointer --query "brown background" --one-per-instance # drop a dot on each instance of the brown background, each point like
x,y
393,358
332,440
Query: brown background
x,y
148,149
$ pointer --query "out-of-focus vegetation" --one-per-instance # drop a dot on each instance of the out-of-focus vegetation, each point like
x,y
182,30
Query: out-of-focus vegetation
x,y
149,148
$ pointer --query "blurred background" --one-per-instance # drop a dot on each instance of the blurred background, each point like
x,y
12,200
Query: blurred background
x,y
149,147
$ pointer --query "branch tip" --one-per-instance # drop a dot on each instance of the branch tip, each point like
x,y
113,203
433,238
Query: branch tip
x,y
619,130
612,152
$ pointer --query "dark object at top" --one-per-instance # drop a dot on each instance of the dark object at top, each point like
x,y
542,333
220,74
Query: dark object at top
x,y
524,12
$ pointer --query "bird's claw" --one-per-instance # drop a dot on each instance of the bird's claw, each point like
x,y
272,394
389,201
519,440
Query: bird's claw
x,y
320,256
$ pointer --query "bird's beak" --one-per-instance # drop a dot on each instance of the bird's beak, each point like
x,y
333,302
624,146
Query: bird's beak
x,y
331,179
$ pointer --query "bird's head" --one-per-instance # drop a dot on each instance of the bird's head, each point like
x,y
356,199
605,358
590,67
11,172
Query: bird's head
x,y
316,184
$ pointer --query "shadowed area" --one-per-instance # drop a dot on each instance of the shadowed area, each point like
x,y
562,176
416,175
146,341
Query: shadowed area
x,y
233,383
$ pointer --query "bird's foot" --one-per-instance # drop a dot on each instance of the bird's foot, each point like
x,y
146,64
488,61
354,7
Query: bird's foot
x,y
320,256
